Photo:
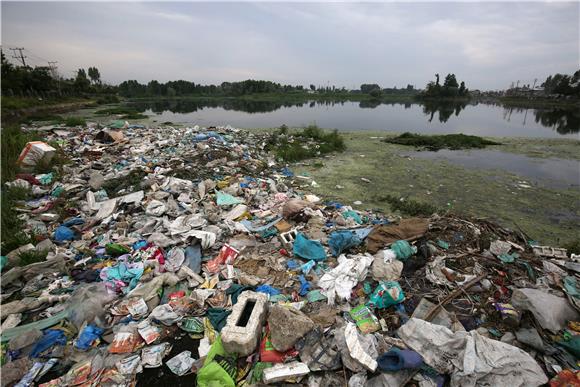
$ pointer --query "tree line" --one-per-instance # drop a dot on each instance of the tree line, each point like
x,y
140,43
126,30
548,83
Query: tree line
x,y
133,88
42,81
567,85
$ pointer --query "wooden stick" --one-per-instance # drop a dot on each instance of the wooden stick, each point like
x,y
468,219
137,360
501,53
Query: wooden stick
x,y
452,295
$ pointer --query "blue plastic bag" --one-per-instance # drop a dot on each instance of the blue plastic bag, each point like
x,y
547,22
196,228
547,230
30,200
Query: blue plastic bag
x,y
63,233
51,338
308,249
87,337
304,286
340,241
269,290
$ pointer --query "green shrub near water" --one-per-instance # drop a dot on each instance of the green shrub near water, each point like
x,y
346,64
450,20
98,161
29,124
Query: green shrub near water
x,y
125,112
13,141
436,142
312,141
409,207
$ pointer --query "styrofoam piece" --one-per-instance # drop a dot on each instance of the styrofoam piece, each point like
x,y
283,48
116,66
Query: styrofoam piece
x,y
241,334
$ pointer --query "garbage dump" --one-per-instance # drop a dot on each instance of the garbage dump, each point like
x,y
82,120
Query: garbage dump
x,y
192,256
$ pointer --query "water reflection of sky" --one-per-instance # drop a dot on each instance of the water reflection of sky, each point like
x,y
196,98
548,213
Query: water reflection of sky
x,y
550,172
480,119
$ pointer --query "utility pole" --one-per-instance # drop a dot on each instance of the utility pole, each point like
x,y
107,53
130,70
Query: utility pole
x,y
53,68
21,57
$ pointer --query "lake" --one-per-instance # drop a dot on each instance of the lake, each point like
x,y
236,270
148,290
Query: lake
x,y
477,119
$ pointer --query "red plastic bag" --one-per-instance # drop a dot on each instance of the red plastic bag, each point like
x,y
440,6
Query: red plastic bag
x,y
269,355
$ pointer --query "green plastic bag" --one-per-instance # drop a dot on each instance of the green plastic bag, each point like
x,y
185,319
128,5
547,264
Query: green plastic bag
x,y
116,249
212,373
388,293
3,261
224,199
403,250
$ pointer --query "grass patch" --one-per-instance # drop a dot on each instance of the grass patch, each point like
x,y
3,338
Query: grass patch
x,y
124,112
12,235
436,142
409,207
307,143
32,256
573,246
13,141
74,121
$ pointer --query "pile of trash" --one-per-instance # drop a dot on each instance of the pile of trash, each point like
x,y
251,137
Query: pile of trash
x,y
190,254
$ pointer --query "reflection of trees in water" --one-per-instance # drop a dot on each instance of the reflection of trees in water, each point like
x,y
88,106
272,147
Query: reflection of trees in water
x,y
190,106
445,109
564,121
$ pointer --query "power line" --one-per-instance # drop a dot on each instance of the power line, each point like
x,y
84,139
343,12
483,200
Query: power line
x,y
21,58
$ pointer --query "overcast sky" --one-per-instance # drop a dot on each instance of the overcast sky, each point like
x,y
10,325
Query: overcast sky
x,y
343,44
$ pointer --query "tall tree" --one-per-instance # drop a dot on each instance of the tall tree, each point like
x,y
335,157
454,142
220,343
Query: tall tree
x,y
94,75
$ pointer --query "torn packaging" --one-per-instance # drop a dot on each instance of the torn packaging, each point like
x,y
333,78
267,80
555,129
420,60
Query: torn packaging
x,y
471,359
406,229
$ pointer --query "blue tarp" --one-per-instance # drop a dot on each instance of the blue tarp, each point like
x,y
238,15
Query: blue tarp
x,y
308,249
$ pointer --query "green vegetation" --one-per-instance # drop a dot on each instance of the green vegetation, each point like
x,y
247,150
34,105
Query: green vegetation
x,y
573,246
12,235
32,256
13,141
450,89
74,121
409,207
568,85
437,142
307,143
549,216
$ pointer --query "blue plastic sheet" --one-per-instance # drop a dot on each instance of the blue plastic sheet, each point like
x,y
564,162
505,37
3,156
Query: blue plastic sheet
x,y
88,336
340,241
307,267
292,264
304,286
308,249
73,222
268,290
51,338
63,233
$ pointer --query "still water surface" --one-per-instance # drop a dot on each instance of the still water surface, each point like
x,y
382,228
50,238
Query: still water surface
x,y
477,119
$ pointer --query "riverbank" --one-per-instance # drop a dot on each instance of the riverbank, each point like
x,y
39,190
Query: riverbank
x,y
371,170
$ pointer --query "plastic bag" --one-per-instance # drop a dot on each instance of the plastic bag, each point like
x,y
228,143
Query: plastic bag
x,y
181,364
86,304
340,241
403,250
89,336
388,293
308,249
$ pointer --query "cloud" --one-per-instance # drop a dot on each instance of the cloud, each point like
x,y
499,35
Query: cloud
x,y
487,45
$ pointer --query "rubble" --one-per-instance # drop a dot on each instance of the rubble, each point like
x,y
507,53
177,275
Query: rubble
x,y
177,255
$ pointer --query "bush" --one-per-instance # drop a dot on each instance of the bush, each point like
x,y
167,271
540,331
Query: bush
x,y
74,121
312,141
436,142
409,207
